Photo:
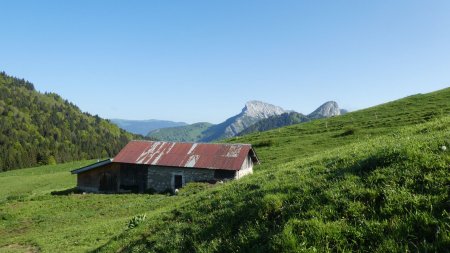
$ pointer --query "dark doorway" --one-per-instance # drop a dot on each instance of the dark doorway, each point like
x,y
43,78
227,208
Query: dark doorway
x,y
178,181
132,178
108,183
224,174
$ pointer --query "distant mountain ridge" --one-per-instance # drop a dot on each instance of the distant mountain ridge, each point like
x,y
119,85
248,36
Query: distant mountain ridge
x,y
143,127
189,133
326,110
252,112
255,116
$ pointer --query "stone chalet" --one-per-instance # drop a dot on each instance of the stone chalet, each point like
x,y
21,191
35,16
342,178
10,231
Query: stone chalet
x,y
143,166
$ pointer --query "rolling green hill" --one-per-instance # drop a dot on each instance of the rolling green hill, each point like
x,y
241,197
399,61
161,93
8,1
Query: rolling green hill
x,y
375,180
189,133
371,180
38,128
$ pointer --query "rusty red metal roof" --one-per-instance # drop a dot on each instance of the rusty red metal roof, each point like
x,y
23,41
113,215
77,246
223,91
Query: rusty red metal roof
x,y
189,155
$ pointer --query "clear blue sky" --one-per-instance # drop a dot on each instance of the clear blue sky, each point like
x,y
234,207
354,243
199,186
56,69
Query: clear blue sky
x,y
202,60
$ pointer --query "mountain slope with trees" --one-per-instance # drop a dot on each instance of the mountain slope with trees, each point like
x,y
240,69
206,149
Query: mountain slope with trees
x,y
38,128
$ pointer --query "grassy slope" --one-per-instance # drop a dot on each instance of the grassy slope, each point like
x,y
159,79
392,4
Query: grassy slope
x,y
356,182
386,194
345,183
39,212
26,183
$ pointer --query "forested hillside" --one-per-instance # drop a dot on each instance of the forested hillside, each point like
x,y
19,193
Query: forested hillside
x,y
38,128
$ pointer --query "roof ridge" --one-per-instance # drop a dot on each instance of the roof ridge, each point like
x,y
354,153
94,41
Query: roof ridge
x,y
186,142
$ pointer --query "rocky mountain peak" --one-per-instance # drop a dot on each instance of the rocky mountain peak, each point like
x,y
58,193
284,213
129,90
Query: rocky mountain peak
x,y
328,109
258,109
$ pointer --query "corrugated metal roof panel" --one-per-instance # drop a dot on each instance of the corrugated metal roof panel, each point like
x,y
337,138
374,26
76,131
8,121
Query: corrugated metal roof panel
x,y
191,155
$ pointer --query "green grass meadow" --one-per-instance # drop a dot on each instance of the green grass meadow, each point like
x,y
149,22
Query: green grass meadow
x,y
375,180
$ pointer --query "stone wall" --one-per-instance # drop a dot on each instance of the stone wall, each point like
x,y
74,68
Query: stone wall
x,y
162,178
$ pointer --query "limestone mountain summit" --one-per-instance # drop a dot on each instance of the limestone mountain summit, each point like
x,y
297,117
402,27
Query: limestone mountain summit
x,y
253,112
258,109
328,109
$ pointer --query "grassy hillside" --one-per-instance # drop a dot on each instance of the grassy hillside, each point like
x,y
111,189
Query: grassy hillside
x,y
386,194
38,128
38,211
359,182
372,180
189,133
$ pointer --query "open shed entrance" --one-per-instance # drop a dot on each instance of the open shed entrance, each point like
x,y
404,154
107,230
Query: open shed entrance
x,y
133,178
178,181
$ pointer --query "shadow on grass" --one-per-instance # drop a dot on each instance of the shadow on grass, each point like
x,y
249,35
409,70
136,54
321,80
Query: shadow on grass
x,y
66,192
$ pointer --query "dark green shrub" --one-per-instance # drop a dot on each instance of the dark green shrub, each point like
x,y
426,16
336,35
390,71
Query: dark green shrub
x,y
348,131
263,143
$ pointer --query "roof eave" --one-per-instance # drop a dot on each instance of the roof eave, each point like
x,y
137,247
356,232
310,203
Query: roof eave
x,y
92,166
254,157
178,167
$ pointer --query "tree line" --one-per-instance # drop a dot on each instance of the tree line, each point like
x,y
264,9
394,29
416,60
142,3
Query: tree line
x,y
43,128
